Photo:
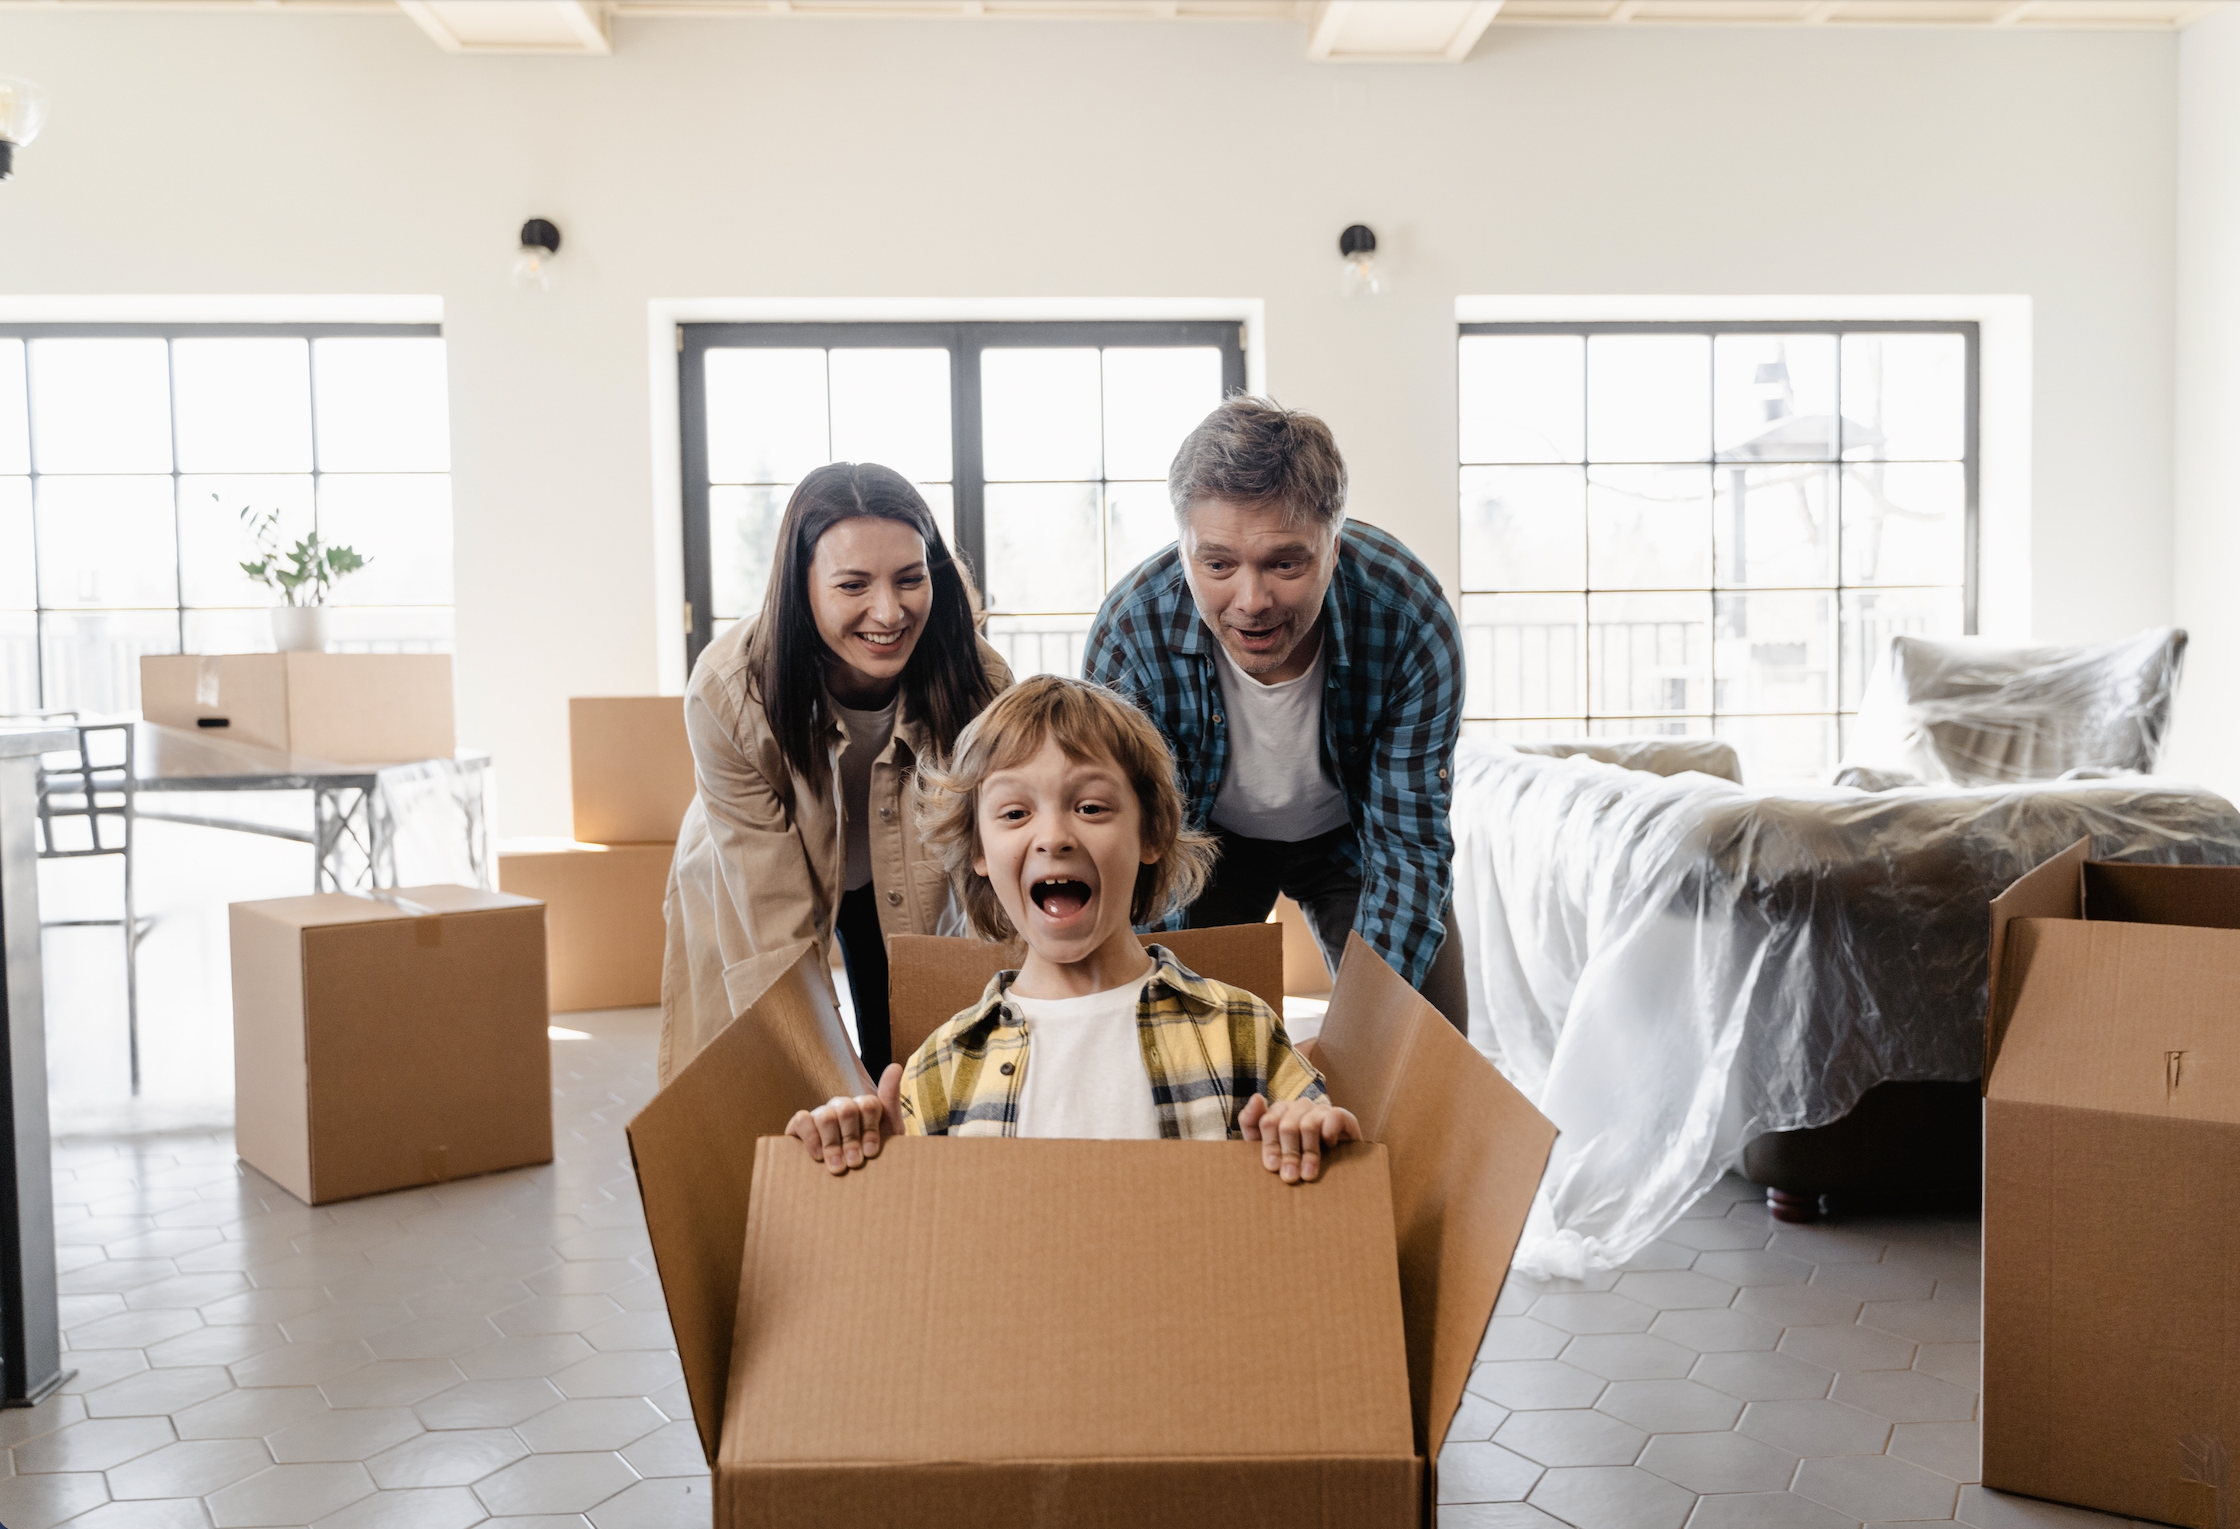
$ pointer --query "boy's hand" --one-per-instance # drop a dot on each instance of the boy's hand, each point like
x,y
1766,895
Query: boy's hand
x,y
844,1133
1293,1134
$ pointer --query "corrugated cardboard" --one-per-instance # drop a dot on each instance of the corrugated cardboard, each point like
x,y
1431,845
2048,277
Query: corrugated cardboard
x,y
1084,1321
631,768
1304,975
603,925
2111,1350
343,708
381,1042
1099,1372
932,978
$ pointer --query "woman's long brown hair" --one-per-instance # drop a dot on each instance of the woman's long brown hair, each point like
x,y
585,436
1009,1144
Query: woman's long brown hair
x,y
945,683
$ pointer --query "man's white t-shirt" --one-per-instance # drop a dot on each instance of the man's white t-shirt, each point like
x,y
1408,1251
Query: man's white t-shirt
x,y
1275,785
1085,1074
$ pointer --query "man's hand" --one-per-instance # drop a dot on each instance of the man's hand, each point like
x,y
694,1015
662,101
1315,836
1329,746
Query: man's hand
x,y
845,1133
1293,1134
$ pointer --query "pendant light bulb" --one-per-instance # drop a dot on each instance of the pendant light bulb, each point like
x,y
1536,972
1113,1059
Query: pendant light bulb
x,y
1359,275
23,111
532,264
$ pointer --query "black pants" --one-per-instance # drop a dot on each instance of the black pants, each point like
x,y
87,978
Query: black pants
x,y
863,951
1312,873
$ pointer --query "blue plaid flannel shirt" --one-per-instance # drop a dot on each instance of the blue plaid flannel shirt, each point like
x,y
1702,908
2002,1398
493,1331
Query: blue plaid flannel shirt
x,y
1391,707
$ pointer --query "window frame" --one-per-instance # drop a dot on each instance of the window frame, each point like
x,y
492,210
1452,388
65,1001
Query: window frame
x,y
964,340
1971,333
219,330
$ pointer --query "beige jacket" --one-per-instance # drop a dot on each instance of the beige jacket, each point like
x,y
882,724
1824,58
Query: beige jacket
x,y
762,855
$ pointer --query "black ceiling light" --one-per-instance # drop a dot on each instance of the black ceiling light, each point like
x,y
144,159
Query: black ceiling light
x,y
532,266
1359,275
23,108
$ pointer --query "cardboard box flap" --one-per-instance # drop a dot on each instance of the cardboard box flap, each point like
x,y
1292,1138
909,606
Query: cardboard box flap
x,y
1467,1153
1005,1301
2199,896
2124,1018
933,977
2054,890
693,1148
322,909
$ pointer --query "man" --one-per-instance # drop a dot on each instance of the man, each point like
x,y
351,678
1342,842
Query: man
x,y
1307,673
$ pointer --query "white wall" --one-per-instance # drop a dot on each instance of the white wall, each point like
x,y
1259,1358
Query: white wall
x,y
2206,744
305,153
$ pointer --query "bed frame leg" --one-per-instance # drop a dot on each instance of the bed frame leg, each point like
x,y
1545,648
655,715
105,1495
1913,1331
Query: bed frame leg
x,y
1792,1207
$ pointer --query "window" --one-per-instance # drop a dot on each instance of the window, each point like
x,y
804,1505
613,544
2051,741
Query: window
x,y
1042,448
1709,528
127,453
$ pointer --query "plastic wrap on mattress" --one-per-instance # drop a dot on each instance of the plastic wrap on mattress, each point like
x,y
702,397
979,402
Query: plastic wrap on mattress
x,y
1971,713
1670,966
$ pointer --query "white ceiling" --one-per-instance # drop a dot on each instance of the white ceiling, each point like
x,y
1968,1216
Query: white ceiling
x,y
1337,31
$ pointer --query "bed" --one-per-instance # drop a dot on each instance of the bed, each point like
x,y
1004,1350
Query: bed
x,y
1672,966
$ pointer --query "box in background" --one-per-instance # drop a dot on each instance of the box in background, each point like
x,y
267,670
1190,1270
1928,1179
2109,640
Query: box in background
x,y
387,1041
2111,1193
343,708
603,925
735,1221
629,768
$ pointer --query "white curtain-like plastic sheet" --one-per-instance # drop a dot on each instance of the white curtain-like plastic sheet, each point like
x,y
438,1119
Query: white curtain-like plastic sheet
x,y
1672,966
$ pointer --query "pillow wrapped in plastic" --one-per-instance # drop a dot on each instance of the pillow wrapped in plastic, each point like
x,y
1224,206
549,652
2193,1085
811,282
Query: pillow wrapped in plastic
x,y
1972,713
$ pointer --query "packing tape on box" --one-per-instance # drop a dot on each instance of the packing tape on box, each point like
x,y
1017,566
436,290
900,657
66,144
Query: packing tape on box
x,y
2197,1496
206,680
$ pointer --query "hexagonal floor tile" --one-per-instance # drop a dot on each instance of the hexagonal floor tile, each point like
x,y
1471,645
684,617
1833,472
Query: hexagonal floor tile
x,y
1612,1497
1669,1406
1578,1436
1718,1462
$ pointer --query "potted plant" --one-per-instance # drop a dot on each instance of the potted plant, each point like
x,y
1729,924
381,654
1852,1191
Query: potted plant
x,y
301,576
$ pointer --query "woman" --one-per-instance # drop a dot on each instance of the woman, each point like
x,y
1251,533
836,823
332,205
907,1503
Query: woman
x,y
806,724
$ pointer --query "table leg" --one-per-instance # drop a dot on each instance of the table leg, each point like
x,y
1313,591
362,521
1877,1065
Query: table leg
x,y
30,1320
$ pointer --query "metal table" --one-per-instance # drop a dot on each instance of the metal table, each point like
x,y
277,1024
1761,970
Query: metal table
x,y
30,1320
351,833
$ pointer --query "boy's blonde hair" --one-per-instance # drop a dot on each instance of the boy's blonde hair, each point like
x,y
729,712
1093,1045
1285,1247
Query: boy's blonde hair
x,y
1087,722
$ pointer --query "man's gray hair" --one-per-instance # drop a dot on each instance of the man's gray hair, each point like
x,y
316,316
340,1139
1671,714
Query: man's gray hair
x,y
1256,451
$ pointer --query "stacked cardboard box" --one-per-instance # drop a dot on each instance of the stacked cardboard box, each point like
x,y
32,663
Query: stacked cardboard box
x,y
385,1041
2111,1189
340,708
1145,1298
630,770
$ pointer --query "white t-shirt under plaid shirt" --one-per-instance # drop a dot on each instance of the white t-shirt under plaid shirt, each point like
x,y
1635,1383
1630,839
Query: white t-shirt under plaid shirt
x,y
1084,1065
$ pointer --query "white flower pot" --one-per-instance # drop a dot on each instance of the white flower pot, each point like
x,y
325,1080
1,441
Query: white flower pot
x,y
299,628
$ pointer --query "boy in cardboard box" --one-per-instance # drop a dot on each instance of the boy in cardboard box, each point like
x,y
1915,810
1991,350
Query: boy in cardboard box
x,y
1060,796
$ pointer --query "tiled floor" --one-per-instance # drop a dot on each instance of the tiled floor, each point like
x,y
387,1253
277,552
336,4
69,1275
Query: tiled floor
x,y
494,1352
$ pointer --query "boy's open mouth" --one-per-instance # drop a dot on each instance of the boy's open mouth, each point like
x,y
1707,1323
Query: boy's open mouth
x,y
1060,897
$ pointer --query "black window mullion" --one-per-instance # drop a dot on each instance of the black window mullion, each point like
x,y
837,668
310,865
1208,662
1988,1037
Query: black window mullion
x,y
692,409
968,484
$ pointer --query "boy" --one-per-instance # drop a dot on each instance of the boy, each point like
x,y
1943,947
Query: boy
x,y
1061,819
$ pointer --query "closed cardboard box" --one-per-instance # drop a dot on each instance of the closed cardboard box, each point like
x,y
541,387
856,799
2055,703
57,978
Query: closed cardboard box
x,y
1043,1332
603,925
340,708
390,1040
2111,1194
630,767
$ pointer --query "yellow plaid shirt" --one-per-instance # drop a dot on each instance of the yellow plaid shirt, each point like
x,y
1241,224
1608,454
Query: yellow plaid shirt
x,y
1207,1048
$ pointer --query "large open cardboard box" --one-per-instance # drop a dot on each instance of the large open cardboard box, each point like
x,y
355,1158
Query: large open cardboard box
x,y
2111,1191
974,1332
604,930
392,1040
629,768
343,708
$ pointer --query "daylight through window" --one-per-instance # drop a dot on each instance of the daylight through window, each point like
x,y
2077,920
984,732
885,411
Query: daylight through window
x,y
1708,528
128,453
